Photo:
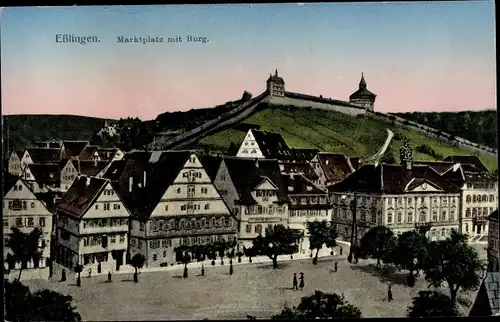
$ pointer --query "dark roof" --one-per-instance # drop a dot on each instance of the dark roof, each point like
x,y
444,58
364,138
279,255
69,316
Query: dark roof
x,y
275,78
89,168
493,215
362,92
467,159
8,181
107,153
48,198
335,166
302,154
440,166
81,195
115,170
19,153
390,178
161,168
300,168
44,155
211,165
248,173
272,145
74,148
88,152
355,162
299,185
319,99
45,172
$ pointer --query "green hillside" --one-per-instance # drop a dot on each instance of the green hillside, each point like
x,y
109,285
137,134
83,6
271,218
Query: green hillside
x,y
476,126
23,130
331,131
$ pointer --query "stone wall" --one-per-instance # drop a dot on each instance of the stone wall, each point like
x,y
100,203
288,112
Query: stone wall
x,y
318,105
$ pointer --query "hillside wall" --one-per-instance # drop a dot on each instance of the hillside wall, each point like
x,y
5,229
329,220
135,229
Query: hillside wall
x,y
306,103
461,142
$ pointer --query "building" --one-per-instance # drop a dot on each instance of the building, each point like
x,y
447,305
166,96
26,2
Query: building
x,y
253,189
22,209
363,97
42,177
300,168
494,242
487,301
307,203
275,85
92,225
331,168
479,192
71,168
173,204
15,162
40,155
71,149
401,197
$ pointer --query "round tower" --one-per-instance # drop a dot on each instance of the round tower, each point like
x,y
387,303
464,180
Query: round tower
x,y
275,85
363,97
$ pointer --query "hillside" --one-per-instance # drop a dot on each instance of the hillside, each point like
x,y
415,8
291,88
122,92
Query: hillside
x,y
331,131
23,130
479,127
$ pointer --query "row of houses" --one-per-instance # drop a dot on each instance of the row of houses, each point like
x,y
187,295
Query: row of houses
x,y
155,203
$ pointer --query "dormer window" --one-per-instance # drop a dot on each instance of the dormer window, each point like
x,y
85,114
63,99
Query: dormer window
x,y
309,188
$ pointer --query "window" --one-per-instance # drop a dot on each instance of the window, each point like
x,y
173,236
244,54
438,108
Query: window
x,y
207,206
166,207
389,218
178,190
452,216
443,216
32,205
164,253
6,223
20,187
434,216
19,222
258,229
25,205
41,222
473,198
122,239
141,226
155,257
467,213
410,217
400,217
248,229
467,228
112,240
31,222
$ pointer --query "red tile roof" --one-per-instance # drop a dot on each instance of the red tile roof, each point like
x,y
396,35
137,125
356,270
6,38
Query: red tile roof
x,y
81,195
335,166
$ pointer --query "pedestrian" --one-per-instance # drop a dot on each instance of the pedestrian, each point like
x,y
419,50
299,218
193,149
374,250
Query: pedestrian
x,y
90,271
202,270
389,293
109,276
295,283
336,265
301,285
341,250
63,275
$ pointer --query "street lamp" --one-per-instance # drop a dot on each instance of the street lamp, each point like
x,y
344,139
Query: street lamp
x,y
354,226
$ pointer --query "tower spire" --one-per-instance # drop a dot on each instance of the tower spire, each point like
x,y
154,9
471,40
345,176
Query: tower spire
x,y
276,72
362,82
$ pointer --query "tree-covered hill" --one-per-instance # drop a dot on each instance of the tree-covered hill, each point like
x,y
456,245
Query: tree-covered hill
x,y
479,127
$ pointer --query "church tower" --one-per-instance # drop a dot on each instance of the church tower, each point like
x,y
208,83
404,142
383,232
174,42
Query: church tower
x,y
363,97
406,155
275,85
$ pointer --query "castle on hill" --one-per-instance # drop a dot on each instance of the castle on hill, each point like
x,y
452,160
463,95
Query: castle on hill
x,y
362,98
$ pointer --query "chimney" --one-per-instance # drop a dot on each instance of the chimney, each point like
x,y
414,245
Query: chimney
x,y
144,181
130,183
87,183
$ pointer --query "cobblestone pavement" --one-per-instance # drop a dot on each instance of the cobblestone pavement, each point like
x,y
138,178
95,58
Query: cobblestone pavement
x,y
253,289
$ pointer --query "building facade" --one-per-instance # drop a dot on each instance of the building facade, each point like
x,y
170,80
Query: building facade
x,y
15,162
92,225
275,85
494,242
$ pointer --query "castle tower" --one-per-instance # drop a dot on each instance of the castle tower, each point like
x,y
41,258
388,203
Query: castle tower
x,y
275,85
363,97
406,155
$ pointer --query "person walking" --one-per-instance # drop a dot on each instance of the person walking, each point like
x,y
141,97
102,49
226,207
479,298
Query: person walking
x,y
202,270
109,276
90,272
336,265
295,282
389,293
340,250
301,285
63,275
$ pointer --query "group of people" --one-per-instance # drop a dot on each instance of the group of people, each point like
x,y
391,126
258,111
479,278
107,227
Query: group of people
x,y
63,275
297,285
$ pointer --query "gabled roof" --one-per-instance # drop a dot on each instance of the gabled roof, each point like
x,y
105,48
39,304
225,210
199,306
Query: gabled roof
x,y
8,181
88,152
161,169
275,78
74,148
335,166
467,159
299,168
115,170
247,173
440,166
81,195
46,173
297,184
303,154
211,165
44,155
272,145
89,168
390,178
19,153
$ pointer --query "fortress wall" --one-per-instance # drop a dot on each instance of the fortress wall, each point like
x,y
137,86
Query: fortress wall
x,y
305,103
461,142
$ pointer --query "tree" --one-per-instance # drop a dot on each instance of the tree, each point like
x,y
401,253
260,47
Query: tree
x,y
137,261
25,247
375,243
320,305
409,252
78,269
320,233
276,241
44,305
246,96
455,262
430,304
